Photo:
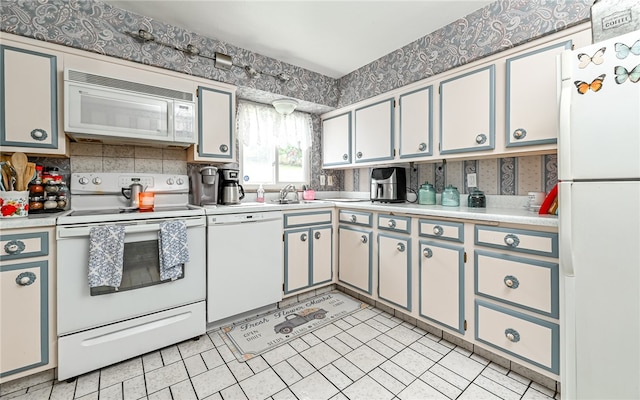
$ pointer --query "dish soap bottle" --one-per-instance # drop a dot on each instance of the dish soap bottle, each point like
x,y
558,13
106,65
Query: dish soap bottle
x,y
260,194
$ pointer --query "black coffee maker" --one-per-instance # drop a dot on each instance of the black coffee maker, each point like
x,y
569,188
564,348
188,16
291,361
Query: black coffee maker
x,y
229,190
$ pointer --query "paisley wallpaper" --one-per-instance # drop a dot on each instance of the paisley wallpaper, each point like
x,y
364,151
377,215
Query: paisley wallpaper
x,y
101,28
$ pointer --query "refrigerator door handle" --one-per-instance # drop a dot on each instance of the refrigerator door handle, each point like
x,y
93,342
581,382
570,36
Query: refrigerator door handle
x,y
564,123
567,267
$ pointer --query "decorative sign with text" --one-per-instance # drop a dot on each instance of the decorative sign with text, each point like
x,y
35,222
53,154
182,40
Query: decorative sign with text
x,y
265,332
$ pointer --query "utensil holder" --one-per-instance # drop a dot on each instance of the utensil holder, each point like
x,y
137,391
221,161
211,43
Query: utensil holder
x,y
14,204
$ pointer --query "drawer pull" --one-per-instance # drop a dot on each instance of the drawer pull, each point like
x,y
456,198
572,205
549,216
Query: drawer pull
x,y
422,147
392,223
427,253
511,282
511,240
354,218
512,335
437,230
316,235
303,237
481,138
25,278
400,247
363,239
14,247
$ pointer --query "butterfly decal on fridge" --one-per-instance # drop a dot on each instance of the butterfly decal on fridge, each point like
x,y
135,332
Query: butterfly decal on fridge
x,y
595,85
622,74
597,58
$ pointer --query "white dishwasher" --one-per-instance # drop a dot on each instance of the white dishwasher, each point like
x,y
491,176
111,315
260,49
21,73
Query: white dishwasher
x,y
244,262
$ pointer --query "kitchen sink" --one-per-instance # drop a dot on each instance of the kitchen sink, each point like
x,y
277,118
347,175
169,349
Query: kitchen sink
x,y
286,201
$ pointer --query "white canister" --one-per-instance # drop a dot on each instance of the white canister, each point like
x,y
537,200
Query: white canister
x,y
14,204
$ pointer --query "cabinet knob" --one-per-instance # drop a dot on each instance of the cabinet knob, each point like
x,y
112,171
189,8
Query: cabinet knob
x,y
224,148
364,239
14,247
359,154
316,235
511,240
481,138
512,335
437,230
354,218
400,247
519,133
392,223
511,282
427,252
39,134
345,156
25,278
303,237
422,147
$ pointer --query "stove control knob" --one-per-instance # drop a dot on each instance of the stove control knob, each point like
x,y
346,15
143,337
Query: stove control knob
x,y
170,181
83,180
96,181
180,181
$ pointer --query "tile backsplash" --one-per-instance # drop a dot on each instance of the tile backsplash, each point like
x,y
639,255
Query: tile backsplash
x,y
498,176
96,157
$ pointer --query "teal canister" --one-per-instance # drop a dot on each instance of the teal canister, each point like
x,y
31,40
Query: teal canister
x,y
427,194
451,196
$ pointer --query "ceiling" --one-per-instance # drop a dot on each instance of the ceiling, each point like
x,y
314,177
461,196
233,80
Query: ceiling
x,y
331,37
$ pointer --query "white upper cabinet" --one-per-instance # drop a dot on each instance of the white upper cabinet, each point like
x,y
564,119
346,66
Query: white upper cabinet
x,y
336,140
532,95
467,112
30,99
216,109
374,127
416,123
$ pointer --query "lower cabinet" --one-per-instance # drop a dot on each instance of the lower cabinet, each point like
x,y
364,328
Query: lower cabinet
x,y
308,250
442,284
354,257
394,269
27,319
307,257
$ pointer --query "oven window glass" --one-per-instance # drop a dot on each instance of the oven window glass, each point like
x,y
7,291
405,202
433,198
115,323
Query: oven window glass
x,y
141,268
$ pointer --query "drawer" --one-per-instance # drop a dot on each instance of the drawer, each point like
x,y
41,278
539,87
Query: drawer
x,y
528,338
453,231
523,282
307,218
356,217
394,223
520,240
23,245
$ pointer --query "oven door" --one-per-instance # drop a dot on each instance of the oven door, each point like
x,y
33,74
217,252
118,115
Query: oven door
x,y
81,307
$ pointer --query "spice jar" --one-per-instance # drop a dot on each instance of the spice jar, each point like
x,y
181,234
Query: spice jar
x,y
51,203
477,199
427,194
451,196
36,203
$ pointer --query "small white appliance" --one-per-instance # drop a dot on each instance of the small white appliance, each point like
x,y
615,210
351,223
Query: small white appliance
x,y
112,110
599,220
99,326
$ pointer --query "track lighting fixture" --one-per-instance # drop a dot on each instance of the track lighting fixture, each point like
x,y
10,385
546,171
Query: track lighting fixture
x,y
221,61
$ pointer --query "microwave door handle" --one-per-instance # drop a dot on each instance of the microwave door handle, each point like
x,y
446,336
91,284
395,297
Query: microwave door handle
x,y
172,109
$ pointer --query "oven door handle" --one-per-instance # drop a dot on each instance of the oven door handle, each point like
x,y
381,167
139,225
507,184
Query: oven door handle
x,y
69,232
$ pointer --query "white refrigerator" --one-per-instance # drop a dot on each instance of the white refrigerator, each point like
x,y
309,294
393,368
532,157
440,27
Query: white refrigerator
x,y
599,220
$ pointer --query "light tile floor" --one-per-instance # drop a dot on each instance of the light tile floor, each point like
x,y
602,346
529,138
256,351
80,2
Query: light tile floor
x,y
367,355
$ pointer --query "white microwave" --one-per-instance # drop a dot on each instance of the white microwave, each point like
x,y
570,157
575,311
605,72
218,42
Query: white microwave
x,y
117,111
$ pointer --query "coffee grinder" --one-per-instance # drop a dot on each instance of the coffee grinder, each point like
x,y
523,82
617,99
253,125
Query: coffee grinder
x,y
204,185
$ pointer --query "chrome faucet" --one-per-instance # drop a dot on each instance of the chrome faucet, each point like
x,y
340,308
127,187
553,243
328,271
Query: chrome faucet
x,y
286,190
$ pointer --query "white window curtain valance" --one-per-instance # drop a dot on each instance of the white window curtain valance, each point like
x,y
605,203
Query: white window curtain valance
x,y
262,125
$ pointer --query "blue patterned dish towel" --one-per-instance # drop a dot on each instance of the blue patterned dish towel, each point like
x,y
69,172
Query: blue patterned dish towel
x,y
106,253
174,249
